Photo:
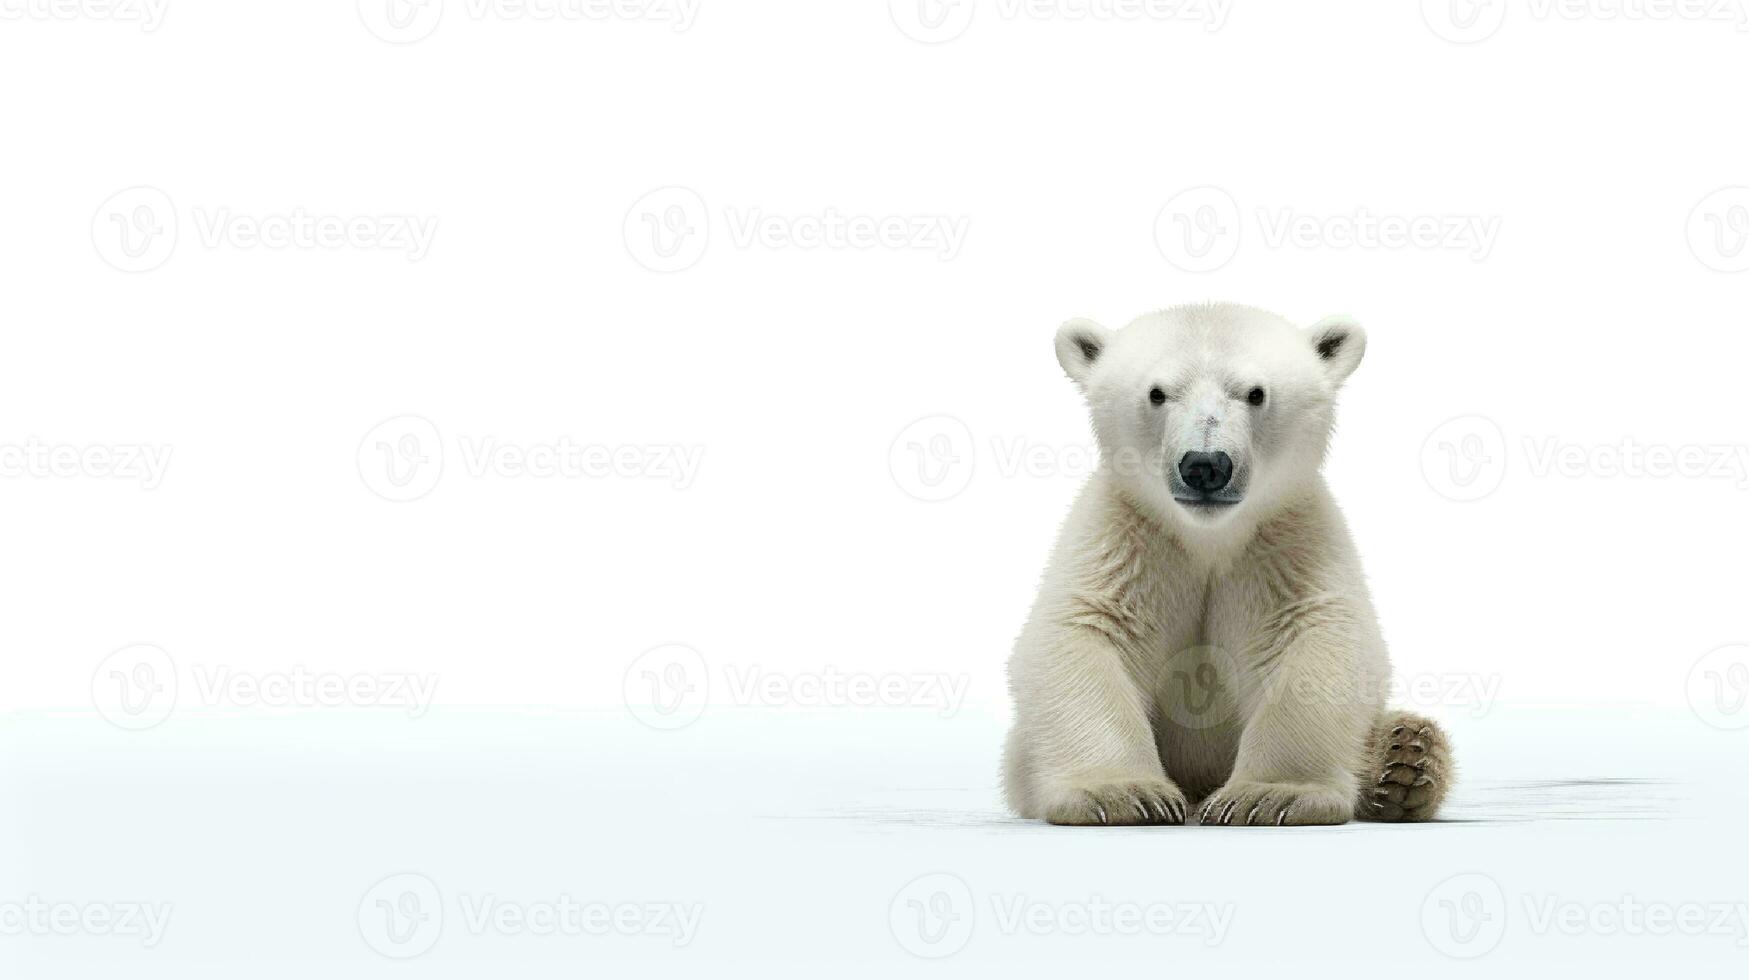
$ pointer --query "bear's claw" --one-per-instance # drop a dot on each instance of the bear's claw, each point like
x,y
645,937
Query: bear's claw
x,y
1254,804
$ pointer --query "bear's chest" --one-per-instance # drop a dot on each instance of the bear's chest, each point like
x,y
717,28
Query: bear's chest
x,y
1209,608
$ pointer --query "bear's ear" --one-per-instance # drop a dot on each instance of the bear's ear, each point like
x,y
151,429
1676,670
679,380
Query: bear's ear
x,y
1080,343
1339,343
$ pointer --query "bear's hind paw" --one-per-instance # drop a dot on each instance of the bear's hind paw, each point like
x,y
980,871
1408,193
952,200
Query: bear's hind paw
x,y
1413,772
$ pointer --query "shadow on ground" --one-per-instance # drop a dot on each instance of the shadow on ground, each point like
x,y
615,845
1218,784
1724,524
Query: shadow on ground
x,y
1482,802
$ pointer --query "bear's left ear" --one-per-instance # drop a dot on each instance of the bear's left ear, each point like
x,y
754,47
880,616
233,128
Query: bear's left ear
x,y
1339,343
1079,344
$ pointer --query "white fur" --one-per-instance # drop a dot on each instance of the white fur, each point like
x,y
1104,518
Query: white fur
x,y
1179,652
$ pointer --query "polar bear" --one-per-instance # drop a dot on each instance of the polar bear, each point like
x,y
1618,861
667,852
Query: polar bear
x,y
1203,636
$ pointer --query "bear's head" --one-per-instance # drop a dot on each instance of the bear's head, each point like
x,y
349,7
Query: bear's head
x,y
1211,417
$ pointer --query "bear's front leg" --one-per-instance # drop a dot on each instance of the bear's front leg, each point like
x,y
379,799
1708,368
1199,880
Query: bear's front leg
x,y
1082,751
1305,729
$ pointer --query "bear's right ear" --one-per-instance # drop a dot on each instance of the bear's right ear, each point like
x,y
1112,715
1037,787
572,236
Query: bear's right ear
x,y
1080,343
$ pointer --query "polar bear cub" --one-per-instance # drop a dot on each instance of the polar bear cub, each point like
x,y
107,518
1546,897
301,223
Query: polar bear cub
x,y
1203,637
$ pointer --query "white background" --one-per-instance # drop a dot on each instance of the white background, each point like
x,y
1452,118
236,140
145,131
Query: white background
x,y
827,532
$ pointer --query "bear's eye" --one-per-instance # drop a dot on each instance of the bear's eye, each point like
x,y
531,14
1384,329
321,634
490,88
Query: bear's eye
x,y
1255,397
1157,396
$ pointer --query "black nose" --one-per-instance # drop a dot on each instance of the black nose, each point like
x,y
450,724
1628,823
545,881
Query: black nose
x,y
1206,472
